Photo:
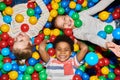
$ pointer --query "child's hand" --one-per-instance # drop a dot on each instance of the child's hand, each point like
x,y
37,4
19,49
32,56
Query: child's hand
x,y
114,48
42,46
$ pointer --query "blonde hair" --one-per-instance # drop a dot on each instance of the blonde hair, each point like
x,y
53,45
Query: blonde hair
x,y
22,55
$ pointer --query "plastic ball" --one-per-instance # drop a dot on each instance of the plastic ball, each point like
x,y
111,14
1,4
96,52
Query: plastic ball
x,y
102,34
72,4
4,77
13,75
51,51
57,1
78,72
116,15
80,1
84,4
78,23
64,3
108,29
67,9
8,2
5,36
104,70
5,28
48,25
91,58
19,18
102,78
7,66
32,61
33,20
15,67
85,76
111,76
71,13
24,27
37,41
53,13
78,7
43,76
7,59
55,6
103,15
76,77
38,67
93,78
8,10
46,31
75,16
56,32
10,41
22,68
61,10
76,47
2,6
110,19
38,10
20,76
36,55
52,38
7,19
30,12
3,44
117,71
116,33
5,51
26,77
49,45
90,4
29,70
49,6
31,5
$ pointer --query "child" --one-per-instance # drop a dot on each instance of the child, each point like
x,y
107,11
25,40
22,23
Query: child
x,y
22,47
63,66
90,27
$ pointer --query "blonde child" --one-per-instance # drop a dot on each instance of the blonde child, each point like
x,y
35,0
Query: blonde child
x,y
91,26
63,66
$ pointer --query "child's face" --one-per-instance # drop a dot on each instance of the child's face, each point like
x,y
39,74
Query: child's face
x,y
21,41
63,51
64,21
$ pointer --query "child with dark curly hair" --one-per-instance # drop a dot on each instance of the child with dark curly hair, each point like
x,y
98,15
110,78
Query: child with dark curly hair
x,y
63,66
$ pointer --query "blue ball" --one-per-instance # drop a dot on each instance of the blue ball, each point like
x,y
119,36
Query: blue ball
x,y
38,10
37,16
78,7
32,61
22,68
20,77
15,67
12,56
47,1
65,4
78,72
110,19
67,9
7,19
116,33
0,73
71,12
7,66
91,58
5,51
102,34
85,76
90,4
48,25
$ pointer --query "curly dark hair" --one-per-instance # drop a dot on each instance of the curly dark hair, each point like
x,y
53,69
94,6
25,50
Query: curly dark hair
x,y
63,38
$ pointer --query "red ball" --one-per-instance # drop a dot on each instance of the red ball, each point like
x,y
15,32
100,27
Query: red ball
x,y
117,71
10,41
3,44
37,41
49,6
80,1
8,2
117,10
41,35
52,38
68,31
5,36
76,77
24,27
116,15
35,75
31,5
51,51
107,62
97,67
117,78
4,77
101,62
7,59
35,78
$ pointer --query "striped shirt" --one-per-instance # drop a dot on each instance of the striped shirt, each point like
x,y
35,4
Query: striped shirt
x,y
56,69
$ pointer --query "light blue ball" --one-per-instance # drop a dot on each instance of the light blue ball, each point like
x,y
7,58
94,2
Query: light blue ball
x,y
5,51
102,34
91,58
7,19
78,7
7,66
116,33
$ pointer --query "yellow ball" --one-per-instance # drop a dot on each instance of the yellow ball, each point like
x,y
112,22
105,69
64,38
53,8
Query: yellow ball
x,y
84,4
53,13
46,31
8,10
4,13
94,78
76,47
99,55
33,20
72,4
105,70
57,1
19,18
103,15
56,32
4,28
50,18
55,6
36,55
13,75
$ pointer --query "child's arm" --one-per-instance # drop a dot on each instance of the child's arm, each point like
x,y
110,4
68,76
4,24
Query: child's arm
x,y
43,53
83,50
101,5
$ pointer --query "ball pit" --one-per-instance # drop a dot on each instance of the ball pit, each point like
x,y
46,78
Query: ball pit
x,y
98,63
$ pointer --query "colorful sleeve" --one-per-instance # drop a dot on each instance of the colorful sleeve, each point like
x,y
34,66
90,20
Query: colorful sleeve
x,y
76,62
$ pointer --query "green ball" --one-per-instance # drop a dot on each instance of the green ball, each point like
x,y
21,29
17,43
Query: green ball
x,y
82,67
108,29
1,64
75,16
29,70
43,76
42,71
1,57
38,67
111,76
2,6
0,32
61,10
61,32
102,78
78,23
47,37
30,12
26,77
